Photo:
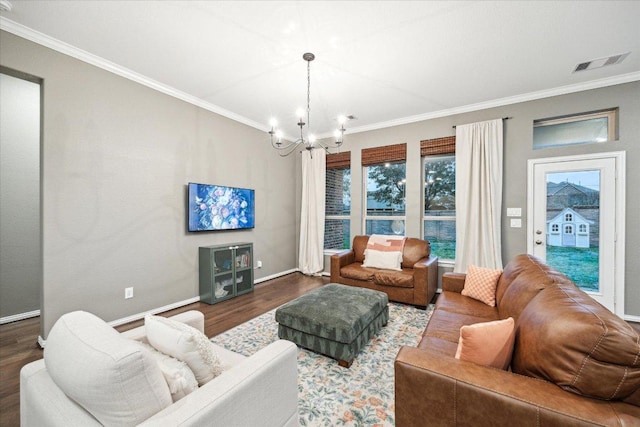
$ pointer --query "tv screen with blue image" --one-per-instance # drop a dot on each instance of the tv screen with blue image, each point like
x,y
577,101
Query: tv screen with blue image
x,y
216,207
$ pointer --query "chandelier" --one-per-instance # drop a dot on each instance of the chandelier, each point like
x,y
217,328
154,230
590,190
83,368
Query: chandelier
x,y
308,141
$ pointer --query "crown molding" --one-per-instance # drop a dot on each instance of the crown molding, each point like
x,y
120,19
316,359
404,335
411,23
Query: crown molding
x,y
532,96
74,52
67,49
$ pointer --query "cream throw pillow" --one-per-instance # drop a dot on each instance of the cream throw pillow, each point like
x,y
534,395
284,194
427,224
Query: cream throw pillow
x,y
185,343
179,377
380,259
481,283
488,343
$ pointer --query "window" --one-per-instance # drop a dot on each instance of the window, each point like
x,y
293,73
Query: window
x,y
337,222
582,228
568,229
439,196
584,128
555,228
568,217
384,170
440,205
386,195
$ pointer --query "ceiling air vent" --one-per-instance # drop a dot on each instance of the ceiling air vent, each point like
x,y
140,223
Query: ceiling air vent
x,y
601,62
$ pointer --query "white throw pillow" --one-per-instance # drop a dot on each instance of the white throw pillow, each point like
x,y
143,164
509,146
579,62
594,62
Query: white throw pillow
x,y
380,259
111,377
185,343
179,377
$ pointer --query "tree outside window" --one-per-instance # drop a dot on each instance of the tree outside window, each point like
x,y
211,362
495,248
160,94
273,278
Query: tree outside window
x,y
386,198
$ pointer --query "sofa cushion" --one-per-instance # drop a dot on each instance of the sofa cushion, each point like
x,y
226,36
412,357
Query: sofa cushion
x,y
566,337
359,246
526,277
400,279
111,377
446,325
414,250
179,377
481,284
454,302
185,343
357,272
487,343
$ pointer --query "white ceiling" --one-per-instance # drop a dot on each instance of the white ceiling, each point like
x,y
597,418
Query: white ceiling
x,y
385,62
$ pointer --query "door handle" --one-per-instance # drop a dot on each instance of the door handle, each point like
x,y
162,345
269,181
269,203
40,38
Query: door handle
x,y
538,242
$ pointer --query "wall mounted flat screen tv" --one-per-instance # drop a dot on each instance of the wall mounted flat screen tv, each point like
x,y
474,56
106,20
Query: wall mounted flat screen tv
x,y
216,207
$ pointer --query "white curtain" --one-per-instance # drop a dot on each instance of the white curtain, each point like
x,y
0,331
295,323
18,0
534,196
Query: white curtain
x,y
311,256
478,195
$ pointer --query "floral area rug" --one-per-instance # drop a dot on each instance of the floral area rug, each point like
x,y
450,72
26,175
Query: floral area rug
x,y
329,395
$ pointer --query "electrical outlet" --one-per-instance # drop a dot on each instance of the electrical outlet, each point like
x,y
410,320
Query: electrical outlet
x,y
259,264
128,293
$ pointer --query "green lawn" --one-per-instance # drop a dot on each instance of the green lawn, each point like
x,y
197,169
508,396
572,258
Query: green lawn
x,y
579,264
443,249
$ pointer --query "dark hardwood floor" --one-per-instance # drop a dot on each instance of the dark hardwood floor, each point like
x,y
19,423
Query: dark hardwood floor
x,y
18,340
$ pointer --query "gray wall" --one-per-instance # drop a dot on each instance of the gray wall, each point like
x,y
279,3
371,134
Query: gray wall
x,y
116,160
117,156
20,249
517,150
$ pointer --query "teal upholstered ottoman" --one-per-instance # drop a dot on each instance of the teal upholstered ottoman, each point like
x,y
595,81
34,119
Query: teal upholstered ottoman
x,y
334,320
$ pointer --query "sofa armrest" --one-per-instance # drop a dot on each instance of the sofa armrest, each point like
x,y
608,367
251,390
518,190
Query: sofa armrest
x,y
339,260
42,403
442,391
425,280
262,390
453,282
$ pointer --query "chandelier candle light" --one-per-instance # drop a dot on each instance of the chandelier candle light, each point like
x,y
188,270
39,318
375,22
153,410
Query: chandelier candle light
x,y
310,142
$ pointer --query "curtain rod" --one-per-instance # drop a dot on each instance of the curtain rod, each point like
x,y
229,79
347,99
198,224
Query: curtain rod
x,y
504,118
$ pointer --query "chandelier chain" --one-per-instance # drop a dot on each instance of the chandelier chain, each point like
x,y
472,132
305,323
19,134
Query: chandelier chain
x,y
308,94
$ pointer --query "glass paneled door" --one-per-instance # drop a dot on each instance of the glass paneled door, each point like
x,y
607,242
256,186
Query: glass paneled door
x,y
574,210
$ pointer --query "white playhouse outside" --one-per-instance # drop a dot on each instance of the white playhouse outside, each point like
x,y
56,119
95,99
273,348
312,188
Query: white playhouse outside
x,y
568,228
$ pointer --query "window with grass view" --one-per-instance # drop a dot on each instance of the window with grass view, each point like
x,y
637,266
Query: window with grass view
x,y
440,205
385,198
337,208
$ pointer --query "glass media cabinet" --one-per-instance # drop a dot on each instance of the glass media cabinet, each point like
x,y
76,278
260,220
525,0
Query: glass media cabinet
x,y
225,271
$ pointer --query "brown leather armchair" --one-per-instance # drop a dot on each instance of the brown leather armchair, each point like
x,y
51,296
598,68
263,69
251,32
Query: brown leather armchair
x,y
416,284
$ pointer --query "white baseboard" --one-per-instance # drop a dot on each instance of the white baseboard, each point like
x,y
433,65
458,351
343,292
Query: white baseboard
x,y
42,342
162,309
630,318
274,276
20,316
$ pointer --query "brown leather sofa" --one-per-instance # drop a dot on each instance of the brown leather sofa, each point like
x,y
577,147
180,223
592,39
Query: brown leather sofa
x,y
416,284
574,362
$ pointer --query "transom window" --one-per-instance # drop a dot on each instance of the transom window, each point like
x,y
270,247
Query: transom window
x,y
583,128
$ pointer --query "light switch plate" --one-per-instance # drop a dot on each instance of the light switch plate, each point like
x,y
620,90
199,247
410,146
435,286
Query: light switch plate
x,y
514,211
516,223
